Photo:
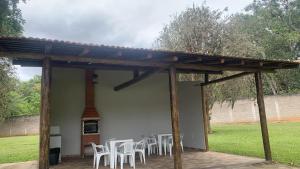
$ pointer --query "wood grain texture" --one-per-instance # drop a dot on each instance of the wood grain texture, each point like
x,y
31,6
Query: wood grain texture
x,y
262,116
45,115
175,118
226,78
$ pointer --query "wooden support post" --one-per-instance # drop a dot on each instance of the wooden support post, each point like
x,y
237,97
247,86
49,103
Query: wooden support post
x,y
205,112
262,116
45,115
175,118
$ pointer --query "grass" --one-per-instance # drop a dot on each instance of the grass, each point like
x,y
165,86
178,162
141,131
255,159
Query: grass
x,y
18,149
241,139
245,139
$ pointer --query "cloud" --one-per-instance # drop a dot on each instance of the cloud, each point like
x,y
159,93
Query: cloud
x,y
117,22
133,23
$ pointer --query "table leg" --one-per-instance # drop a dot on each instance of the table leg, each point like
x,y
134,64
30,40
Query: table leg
x,y
159,145
112,155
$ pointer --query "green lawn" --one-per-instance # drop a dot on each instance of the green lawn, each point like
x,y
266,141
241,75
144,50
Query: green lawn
x,y
17,149
245,139
241,139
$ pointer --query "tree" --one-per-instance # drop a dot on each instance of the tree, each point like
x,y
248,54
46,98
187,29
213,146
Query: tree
x,y
202,30
26,97
275,26
268,30
7,84
11,21
11,24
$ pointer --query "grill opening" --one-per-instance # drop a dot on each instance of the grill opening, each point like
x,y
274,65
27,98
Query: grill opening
x,y
90,126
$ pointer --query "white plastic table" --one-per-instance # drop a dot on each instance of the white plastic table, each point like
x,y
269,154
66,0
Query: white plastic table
x,y
159,139
113,150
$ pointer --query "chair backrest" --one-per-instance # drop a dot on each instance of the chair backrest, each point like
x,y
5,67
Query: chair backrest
x,y
140,145
151,140
126,147
94,148
170,139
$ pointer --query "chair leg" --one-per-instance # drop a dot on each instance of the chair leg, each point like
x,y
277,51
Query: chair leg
x,y
97,162
105,160
144,157
149,149
170,146
122,161
133,161
165,146
94,162
141,158
116,160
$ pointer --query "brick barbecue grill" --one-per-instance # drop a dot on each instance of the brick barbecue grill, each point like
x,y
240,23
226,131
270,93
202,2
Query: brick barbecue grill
x,y
90,117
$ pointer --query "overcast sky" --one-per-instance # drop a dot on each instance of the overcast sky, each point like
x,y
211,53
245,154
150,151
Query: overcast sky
x,y
132,23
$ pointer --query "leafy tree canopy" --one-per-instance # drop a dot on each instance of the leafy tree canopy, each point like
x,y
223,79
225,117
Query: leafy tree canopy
x,y
268,29
11,24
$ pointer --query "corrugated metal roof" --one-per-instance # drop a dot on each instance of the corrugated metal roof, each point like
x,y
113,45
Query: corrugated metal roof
x,y
61,48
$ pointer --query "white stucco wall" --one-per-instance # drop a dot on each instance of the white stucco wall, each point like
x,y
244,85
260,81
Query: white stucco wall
x,y
139,110
191,118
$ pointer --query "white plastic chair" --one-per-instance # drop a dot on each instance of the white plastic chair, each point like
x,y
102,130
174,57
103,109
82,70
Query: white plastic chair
x,y
152,145
125,150
171,144
165,140
140,148
99,151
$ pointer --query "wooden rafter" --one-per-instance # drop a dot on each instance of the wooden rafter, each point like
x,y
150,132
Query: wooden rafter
x,y
225,78
214,62
123,62
137,79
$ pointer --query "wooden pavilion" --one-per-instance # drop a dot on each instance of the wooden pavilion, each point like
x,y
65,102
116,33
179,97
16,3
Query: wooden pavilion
x,y
143,63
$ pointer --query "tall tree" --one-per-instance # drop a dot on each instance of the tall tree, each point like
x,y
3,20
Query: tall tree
x,y
11,21
11,24
275,26
200,29
26,97
268,30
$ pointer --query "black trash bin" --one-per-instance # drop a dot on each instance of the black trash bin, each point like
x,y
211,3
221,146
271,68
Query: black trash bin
x,y
54,156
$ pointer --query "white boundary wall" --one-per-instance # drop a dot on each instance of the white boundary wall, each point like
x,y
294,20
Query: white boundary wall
x,y
278,108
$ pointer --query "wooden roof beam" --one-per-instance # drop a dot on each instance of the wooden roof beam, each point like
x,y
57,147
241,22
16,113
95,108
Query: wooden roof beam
x,y
239,63
214,62
225,78
191,60
149,64
137,79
